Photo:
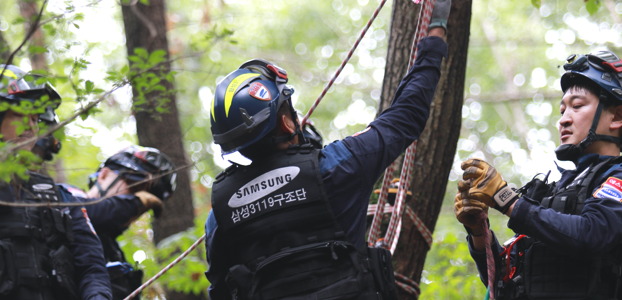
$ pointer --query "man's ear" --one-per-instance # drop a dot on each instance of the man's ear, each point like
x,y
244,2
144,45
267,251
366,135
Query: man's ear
x,y
286,125
104,173
616,122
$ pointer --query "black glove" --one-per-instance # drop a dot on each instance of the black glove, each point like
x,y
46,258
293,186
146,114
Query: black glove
x,y
440,14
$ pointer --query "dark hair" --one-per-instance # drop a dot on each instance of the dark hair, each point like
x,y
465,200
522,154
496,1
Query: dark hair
x,y
264,147
593,88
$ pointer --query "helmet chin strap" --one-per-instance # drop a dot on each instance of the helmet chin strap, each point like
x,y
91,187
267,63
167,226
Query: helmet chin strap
x,y
298,131
102,192
572,152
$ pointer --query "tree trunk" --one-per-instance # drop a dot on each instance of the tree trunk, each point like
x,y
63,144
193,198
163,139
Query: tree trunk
x,y
5,49
436,147
145,28
29,10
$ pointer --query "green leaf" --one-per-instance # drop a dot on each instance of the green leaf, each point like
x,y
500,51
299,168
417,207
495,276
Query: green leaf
x,y
89,85
141,52
536,3
76,25
592,6
145,2
135,59
37,49
157,56
41,80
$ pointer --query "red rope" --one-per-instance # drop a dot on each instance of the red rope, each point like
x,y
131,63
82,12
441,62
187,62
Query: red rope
x,y
490,260
343,64
384,194
409,289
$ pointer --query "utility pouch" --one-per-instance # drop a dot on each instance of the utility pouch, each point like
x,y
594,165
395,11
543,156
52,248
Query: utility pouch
x,y
382,271
123,284
63,274
539,189
8,271
239,280
327,270
551,275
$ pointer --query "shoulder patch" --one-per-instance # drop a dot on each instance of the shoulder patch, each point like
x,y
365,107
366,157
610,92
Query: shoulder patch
x,y
610,189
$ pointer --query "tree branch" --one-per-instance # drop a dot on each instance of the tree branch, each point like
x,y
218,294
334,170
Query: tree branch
x,y
31,31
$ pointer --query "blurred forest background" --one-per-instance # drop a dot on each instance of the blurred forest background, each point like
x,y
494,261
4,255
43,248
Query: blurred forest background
x,y
509,116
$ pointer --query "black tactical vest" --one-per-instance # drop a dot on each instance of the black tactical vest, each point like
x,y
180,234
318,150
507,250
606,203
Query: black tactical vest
x,y
542,273
35,261
282,239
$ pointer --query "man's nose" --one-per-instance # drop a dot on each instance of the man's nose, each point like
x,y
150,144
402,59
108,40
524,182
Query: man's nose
x,y
33,121
565,120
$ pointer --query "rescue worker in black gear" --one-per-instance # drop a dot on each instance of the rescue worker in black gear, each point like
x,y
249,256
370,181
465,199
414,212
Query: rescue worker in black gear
x,y
568,242
291,225
45,252
116,179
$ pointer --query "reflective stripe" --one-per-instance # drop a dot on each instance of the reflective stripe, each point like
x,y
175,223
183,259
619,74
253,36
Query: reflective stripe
x,y
233,87
9,73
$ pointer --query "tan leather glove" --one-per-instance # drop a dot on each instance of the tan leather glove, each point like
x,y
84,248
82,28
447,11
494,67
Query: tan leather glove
x,y
487,186
149,202
467,209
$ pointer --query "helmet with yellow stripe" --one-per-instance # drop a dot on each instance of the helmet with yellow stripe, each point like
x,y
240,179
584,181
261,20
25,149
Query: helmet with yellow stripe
x,y
17,86
245,105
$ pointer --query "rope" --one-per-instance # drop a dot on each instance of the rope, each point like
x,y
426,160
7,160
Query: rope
x,y
490,260
394,230
382,200
371,209
343,64
177,260
407,280
425,232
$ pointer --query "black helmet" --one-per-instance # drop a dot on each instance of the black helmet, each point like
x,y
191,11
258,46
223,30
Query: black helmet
x,y
603,68
136,163
17,86
245,105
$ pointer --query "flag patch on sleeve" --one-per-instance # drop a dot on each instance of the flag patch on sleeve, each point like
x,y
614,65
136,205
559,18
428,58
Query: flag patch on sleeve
x,y
362,131
610,189
88,221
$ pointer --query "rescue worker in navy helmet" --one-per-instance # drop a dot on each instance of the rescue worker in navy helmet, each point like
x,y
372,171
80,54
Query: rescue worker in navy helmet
x,y
568,242
117,179
45,252
291,225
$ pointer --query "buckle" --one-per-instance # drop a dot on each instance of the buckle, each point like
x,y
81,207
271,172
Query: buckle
x,y
306,149
292,149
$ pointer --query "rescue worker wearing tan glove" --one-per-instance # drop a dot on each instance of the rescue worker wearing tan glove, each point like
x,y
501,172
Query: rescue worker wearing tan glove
x,y
481,187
